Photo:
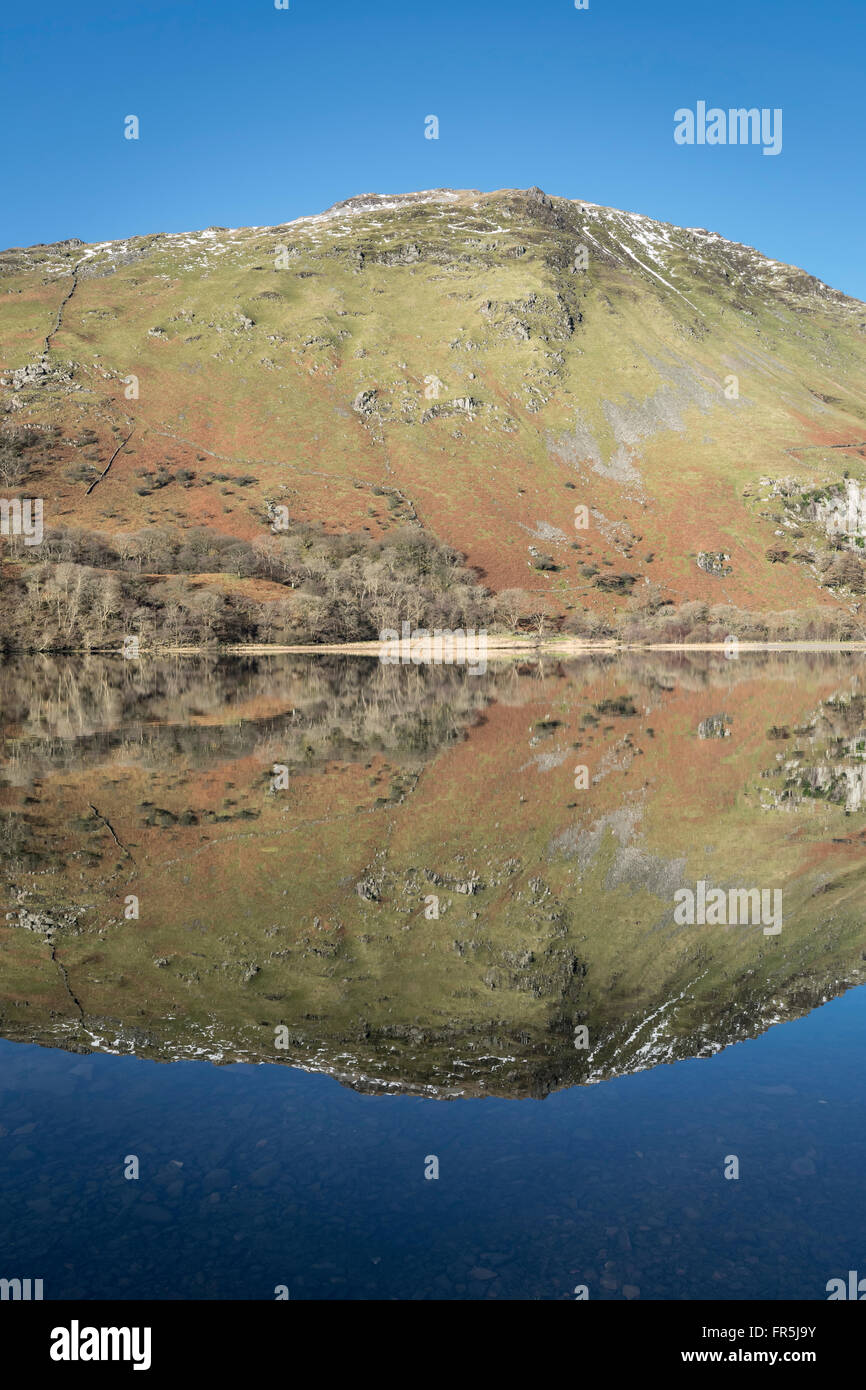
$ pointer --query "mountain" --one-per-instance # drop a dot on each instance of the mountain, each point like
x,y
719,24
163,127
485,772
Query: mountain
x,y
244,425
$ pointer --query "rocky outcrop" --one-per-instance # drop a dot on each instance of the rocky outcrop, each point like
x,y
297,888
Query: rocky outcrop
x,y
717,726
842,512
365,403
714,562
38,373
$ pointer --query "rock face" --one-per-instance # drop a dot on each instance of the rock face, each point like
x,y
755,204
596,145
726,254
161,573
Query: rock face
x,y
843,513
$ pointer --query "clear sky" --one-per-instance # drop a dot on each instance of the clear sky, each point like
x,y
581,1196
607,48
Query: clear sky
x,y
250,115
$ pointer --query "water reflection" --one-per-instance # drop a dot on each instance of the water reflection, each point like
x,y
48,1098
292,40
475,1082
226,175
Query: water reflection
x,y
456,885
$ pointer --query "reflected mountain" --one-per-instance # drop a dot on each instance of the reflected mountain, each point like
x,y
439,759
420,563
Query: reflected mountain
x,y
422,880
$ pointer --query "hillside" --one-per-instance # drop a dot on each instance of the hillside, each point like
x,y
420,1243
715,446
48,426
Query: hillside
x,y
243,434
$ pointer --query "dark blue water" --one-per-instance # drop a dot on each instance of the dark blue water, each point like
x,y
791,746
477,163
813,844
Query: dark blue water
x,y
289,1179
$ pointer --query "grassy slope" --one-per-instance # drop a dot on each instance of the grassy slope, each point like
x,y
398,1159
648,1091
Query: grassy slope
x,y
638,382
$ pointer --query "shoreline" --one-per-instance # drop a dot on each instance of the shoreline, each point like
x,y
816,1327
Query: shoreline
x,y
570,645
494,647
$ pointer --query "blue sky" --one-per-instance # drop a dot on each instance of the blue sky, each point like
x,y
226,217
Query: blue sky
x,y
252,115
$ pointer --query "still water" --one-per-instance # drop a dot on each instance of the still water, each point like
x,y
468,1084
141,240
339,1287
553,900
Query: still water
x,y
377,980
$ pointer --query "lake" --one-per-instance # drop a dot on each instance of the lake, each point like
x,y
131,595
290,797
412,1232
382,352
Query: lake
x,y
328,979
